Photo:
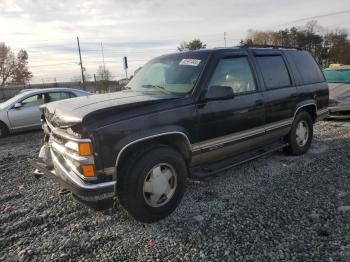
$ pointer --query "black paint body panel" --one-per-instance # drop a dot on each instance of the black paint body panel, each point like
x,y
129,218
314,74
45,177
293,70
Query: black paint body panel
x,y
121,119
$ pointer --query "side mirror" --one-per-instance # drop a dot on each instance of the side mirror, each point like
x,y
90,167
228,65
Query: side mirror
x,y
17,105
219,93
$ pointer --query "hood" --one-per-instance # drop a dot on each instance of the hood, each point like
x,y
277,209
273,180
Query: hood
x,y
338,90
70,112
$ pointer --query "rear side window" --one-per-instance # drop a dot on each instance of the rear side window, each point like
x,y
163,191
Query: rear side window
x,y
56,96
274,71
307,67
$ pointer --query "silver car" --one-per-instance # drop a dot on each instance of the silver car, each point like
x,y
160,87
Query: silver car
x,y
21,112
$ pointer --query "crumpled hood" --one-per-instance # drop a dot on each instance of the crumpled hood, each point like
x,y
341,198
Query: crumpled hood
x,y
70,112
338,90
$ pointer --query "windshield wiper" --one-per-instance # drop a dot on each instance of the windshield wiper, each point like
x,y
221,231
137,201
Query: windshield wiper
x,y
160,88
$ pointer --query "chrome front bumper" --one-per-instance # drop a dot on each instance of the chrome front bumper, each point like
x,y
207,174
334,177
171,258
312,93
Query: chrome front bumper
x,y
68,179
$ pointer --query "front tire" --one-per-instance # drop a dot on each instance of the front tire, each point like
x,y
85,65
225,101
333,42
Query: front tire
x,y
300,136
152,182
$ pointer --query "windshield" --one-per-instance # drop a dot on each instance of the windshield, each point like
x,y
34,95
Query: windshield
x,y
337,76
11,101
170,74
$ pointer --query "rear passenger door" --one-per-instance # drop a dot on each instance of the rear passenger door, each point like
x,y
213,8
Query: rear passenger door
x,y
279,89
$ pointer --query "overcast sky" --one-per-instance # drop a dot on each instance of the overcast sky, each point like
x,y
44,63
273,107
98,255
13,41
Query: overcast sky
x,y
141,29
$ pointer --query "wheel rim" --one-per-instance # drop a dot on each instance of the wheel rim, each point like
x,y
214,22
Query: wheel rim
x,y
302,133
160,185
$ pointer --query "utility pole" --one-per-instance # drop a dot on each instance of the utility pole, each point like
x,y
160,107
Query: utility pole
x,y
103,59
95,80
81,65
225,38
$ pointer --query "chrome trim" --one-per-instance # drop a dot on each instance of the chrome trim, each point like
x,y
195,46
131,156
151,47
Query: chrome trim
x,y
68,157
300,107
77,181
62,150
278,124
150,137
226,139
60,133
217,142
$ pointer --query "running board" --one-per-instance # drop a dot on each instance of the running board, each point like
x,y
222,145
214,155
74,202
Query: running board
x,y
227,163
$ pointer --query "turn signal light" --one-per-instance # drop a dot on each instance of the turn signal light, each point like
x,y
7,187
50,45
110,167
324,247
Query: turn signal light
x,y
85,149
88,170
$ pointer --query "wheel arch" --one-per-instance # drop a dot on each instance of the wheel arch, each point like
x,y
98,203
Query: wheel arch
x,y
175,139
310,107
5,125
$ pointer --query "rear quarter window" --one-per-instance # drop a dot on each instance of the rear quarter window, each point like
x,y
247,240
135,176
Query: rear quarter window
x,y
274,71
307,67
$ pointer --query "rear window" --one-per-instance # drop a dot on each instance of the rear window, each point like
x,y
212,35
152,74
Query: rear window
x,y
307,67
274,71
57,96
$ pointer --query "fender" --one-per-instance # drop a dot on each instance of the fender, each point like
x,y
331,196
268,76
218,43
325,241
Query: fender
x,y
138,137
302,104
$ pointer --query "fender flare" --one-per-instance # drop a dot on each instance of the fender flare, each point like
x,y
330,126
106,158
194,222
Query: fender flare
x,y
303,104
149,137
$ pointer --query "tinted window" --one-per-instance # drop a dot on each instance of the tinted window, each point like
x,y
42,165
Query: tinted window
x,y
307,67
274,71
56,96
234,72
35,100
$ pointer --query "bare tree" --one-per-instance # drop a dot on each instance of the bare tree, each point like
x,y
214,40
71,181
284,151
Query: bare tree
x,y
192,45
13,69
104,75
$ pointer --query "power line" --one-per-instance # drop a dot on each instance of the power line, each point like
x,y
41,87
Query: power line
x,y
313,17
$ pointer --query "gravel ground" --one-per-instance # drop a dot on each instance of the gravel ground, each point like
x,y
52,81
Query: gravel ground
x,y
271,209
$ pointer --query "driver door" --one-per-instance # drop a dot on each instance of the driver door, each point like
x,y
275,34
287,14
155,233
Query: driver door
x,y
28,115
230,126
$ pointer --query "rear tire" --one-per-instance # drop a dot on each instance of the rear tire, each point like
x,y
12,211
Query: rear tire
x,y
3,130
151,183
300,136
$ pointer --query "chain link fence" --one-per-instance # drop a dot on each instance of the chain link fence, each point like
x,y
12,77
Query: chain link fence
x,y
97,87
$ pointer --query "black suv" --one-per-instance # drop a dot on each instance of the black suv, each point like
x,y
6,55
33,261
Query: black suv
x,y
183,115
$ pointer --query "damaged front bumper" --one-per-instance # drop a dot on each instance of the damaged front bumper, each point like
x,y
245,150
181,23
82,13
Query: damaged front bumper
x,y
68,179
339,112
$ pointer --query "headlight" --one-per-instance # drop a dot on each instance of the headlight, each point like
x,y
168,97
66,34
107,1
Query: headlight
x,y
82,148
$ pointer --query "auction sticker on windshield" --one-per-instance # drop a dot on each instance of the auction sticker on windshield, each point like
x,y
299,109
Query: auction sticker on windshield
x,y
191,62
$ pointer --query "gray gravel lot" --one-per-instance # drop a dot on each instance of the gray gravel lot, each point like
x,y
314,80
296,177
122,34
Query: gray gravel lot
x,y
276,208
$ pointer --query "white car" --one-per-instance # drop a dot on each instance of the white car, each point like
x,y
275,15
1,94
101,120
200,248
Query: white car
x,y
21,112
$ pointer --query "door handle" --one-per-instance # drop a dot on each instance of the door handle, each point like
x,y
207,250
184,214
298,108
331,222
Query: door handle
x,y
259,102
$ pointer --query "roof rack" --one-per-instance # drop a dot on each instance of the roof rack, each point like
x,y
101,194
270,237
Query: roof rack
x,y
270,46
